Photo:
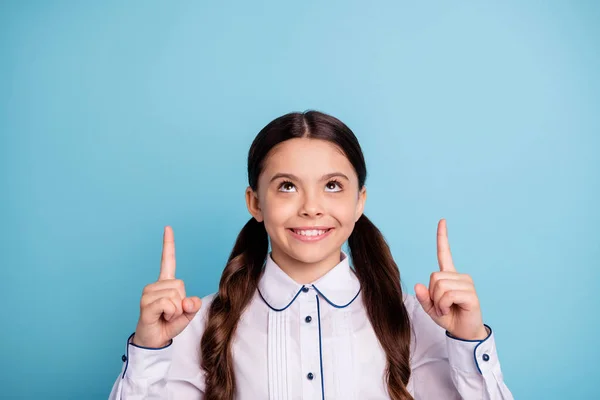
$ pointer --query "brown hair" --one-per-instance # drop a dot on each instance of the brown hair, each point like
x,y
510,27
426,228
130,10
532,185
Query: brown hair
x,y
371,257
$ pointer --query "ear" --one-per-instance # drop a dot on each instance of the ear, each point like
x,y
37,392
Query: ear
x,y
360,205
253,204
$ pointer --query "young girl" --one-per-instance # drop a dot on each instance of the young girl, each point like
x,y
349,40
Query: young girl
x,y
307,320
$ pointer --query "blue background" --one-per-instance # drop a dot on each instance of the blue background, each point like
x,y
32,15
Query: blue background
x,y
118,119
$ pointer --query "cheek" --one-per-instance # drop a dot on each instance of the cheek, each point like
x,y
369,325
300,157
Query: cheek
x,y
346,215
344,210
278,210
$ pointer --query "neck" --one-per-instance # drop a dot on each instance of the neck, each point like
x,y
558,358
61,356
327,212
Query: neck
x,y
305,272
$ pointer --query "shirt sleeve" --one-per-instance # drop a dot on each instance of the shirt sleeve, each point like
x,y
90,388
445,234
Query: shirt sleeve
x,y
451,368
170,372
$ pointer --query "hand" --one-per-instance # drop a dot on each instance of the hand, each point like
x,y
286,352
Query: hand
x,y
164,308
451,300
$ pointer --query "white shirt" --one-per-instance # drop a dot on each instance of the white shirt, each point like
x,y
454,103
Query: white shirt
x,y
314,342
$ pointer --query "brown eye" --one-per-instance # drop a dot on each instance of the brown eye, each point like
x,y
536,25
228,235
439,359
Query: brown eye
x,y
286,187
334,186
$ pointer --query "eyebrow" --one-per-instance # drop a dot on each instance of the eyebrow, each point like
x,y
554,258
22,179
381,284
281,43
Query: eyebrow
x,y
295,178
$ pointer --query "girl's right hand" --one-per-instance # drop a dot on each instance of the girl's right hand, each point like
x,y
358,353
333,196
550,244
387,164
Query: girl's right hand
x,y
165,310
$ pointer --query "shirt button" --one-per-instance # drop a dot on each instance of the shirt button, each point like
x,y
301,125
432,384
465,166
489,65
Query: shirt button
x,y
486,357
305,289
310,376
308,318
124,357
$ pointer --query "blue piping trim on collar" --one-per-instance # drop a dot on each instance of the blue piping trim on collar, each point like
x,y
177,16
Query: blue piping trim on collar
x,y
321,348
279,309
332,303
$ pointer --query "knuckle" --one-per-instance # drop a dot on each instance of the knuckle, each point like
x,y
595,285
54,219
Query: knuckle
x,y
179,284
147,289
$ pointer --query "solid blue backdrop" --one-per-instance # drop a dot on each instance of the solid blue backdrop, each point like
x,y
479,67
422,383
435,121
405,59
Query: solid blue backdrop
x,y
118,118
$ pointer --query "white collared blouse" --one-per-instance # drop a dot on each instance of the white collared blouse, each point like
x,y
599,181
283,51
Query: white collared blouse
x,y
314,342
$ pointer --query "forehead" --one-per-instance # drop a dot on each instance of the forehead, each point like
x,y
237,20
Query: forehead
x,y
306,157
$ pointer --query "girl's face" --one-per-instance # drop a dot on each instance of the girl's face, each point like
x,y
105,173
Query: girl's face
x,y
309,200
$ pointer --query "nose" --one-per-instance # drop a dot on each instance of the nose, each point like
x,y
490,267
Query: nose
x,y
311,206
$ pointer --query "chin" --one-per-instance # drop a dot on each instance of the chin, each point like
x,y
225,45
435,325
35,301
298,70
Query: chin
x,y
308,255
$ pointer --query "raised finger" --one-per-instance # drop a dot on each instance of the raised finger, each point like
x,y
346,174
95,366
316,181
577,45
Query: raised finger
x,y
167,263
443,248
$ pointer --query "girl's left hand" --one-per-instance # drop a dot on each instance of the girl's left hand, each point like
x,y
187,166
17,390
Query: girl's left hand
x,y
451,300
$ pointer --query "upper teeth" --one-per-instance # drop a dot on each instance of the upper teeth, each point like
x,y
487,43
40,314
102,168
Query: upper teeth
x,y
313,232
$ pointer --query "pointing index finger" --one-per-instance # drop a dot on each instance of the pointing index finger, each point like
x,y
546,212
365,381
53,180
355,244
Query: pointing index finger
x,y
167,263
443,248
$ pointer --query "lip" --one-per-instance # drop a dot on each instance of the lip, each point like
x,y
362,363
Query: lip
x,y
310,238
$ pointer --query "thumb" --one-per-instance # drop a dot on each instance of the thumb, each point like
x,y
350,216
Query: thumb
x,y
422,294
191,306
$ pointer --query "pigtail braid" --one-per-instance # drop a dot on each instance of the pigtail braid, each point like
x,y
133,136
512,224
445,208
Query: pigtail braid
x,y
382,295
237,286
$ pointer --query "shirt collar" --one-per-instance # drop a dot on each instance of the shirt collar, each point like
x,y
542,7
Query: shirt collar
x,y
339,287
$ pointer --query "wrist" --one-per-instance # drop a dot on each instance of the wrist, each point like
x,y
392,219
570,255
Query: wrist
x,y
480,335
142,344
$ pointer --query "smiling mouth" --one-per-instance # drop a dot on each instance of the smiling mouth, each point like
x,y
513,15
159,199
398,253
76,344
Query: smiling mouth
x,y
310,234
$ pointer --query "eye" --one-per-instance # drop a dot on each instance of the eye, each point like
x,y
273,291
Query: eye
x,y
334,186
286,186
